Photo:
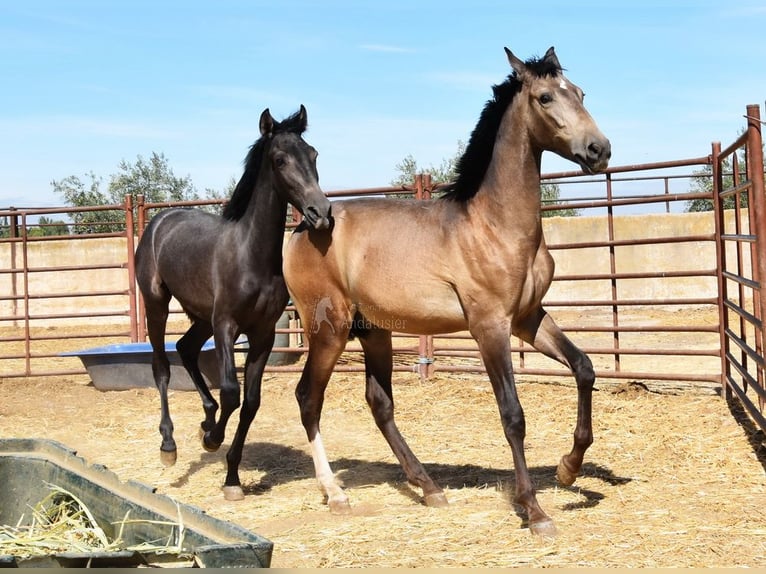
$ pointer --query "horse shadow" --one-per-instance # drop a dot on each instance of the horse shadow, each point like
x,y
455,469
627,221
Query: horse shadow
x,y
755,436
280,464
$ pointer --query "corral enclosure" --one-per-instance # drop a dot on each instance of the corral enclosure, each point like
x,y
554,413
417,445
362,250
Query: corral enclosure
x,y
660,299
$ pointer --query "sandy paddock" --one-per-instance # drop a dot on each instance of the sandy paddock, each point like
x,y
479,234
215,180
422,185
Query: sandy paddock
x,y
671,480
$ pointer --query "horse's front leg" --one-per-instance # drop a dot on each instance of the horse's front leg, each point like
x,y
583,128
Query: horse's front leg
x,y
542,332
229,390
495,348
325,347
257,356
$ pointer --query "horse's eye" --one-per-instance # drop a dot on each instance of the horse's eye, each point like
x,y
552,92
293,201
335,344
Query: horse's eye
x,y
545,99
280,162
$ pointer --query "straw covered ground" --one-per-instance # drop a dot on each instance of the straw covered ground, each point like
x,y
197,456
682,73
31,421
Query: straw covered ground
x,y
671,480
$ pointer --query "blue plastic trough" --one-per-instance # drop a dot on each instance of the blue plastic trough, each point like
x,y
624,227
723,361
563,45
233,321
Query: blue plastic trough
x,y
129,365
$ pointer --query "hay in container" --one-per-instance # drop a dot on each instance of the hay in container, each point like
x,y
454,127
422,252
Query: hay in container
x,y
61,522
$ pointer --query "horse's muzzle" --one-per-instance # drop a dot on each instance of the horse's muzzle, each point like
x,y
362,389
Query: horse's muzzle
x,y
595,156
318,217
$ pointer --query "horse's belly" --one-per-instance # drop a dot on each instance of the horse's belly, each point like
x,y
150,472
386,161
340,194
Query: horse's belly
x,y
426,310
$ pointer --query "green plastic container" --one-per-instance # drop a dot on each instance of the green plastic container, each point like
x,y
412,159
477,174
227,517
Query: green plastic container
x,y
192,538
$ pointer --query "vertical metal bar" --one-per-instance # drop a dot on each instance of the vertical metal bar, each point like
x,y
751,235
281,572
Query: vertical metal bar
x,y
14,233
422,186
613,270
720,255
141,318
758,206
736,179
429,343
25,287
132,301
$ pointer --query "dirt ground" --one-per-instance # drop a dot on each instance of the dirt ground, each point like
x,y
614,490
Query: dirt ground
x,y
670,481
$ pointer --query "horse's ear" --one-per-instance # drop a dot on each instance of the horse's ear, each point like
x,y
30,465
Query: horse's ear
x,y
303,119
517,65
550,56
267,123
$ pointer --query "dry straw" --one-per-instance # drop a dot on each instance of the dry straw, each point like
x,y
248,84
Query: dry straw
x,y
61,522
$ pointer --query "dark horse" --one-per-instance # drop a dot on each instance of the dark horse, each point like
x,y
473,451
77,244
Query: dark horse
x,y
226,272
481,264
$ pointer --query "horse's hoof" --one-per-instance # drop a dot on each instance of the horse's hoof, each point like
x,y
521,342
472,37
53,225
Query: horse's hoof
x,y
436,500
543,528
168,457
233,493
564,475
208,445
339,506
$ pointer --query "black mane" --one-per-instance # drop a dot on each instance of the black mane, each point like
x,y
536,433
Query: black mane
x,y
472,165
240,198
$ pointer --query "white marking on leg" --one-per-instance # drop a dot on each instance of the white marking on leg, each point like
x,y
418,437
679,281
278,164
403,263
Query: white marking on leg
x,y
324,474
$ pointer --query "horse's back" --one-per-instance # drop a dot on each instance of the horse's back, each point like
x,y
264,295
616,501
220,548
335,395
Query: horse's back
x,y
175,245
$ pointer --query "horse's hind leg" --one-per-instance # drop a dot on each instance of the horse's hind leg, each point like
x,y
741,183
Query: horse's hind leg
x,y
156,319
542,332
189,347
378,361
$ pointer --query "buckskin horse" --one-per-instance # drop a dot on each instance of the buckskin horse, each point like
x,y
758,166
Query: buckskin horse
x,y
481,264
226,272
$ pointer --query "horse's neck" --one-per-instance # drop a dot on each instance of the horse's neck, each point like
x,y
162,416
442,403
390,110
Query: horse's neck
x,y
510,192
264,222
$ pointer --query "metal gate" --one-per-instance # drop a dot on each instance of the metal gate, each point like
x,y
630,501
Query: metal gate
x,y
738,176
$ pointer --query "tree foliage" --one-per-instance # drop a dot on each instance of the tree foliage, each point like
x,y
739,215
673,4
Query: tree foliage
x,y
45,227
702,182
446,171
152,178
408,168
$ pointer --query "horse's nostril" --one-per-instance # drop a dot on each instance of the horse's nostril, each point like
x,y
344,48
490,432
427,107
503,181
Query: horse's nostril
x,y
594,150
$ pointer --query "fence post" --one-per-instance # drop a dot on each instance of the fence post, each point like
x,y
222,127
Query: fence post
x,y
757,208
129,240
720,256
138,298
422,185
13,230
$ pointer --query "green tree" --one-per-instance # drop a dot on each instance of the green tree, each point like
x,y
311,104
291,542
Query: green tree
x,y
79,193
47,227
550,195
152,178
702,182
408,168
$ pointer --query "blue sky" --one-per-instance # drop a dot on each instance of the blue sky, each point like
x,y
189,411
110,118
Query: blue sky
x,y
88,83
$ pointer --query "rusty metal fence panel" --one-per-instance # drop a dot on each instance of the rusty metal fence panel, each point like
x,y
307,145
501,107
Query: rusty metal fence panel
x,y
742,265
614,301
54,293
630,322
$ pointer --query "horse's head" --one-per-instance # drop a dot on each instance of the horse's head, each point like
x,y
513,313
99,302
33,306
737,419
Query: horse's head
x,y
293,165
558,120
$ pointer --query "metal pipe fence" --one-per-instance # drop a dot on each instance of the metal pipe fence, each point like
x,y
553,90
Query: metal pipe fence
x,y
616,301
742,267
